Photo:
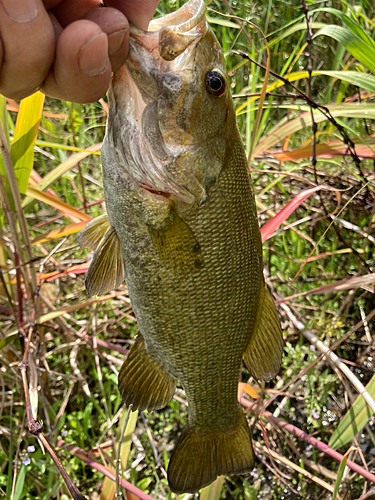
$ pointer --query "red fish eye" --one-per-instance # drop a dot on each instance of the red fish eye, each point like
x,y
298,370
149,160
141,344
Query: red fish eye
x,y
215,83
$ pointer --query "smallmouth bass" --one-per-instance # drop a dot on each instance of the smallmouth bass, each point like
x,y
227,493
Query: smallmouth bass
x,y
182,230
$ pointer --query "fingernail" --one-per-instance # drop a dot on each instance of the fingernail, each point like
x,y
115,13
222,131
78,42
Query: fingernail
x,y
21,11
115,40
92,57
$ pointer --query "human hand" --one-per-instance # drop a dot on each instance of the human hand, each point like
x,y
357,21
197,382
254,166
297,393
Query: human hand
x,y
67,49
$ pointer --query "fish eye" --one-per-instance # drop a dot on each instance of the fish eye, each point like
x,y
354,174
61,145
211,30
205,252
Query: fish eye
x,y
215,82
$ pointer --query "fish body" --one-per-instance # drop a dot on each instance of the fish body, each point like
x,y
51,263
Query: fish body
x,y
182,228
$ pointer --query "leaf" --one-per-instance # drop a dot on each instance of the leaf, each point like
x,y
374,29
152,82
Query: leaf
x,y
247,389
53,202
362,51
108,490
354,420
222,22
7,340
294,29
363,80
269,227
60,232
22,149
20,483
278,133
61,169
330,149
212,491
339,286
340,473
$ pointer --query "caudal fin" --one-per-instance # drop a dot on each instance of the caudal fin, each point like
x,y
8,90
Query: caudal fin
x,y
201,455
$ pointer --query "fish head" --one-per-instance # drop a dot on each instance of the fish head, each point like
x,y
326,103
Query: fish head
x,y
170,106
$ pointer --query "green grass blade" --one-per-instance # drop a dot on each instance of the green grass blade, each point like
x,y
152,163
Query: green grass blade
x,y
20,483
294,29
213,491
7,340
22,149
356,418
340,474
362,51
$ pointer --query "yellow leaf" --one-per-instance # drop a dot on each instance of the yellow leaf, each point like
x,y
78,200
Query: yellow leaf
x,y
60,232
53,202
22,149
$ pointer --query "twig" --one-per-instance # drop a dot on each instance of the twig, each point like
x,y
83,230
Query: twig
x,y
290,464
331,356
298,433
103,470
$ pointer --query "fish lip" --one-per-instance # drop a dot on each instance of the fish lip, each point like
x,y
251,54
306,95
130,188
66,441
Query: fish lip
x,y
171,35
182,20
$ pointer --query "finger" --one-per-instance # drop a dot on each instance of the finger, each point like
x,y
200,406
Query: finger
x,y
139,13
115,25
68,11
28,46
82,69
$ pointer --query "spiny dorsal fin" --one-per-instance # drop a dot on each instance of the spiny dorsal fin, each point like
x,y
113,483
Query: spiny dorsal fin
x,y
91,234
106,270
176,244
265,349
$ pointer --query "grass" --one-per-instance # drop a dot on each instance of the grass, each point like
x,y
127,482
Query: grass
x,y
79,344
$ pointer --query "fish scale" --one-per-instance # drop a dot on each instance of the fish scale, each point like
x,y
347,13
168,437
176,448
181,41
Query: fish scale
x,y
189,246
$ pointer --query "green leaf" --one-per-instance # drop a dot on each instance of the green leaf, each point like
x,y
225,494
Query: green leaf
x,y
340,473
356,418
19,483
361,50
7,340
22,149
213,491
222,22
294,29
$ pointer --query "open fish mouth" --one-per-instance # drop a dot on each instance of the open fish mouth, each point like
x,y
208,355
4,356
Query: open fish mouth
x,y
159,73
172,34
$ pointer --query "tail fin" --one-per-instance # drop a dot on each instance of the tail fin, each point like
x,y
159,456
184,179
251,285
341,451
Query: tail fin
x,y
203,454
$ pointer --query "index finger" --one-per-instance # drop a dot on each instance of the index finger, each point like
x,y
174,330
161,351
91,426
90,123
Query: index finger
x,y
139,13
28,46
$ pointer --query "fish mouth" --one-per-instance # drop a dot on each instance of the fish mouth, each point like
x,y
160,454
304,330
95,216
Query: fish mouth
x,y
160,65
170,35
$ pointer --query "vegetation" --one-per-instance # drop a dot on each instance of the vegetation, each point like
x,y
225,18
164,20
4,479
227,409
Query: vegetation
x,y
319,265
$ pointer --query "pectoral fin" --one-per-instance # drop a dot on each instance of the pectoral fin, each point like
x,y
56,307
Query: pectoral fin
x,y
143,382
264,351
106,270
91,234
176,244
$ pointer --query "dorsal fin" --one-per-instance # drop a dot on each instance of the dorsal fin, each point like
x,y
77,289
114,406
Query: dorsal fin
x,y
106,270
93,232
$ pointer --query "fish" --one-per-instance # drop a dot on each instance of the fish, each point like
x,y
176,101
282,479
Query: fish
x,y
181,228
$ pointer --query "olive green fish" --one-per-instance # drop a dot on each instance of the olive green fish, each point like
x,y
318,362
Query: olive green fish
x,y
182,230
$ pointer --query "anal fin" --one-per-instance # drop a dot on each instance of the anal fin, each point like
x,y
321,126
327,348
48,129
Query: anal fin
x,y
264,351
143,381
